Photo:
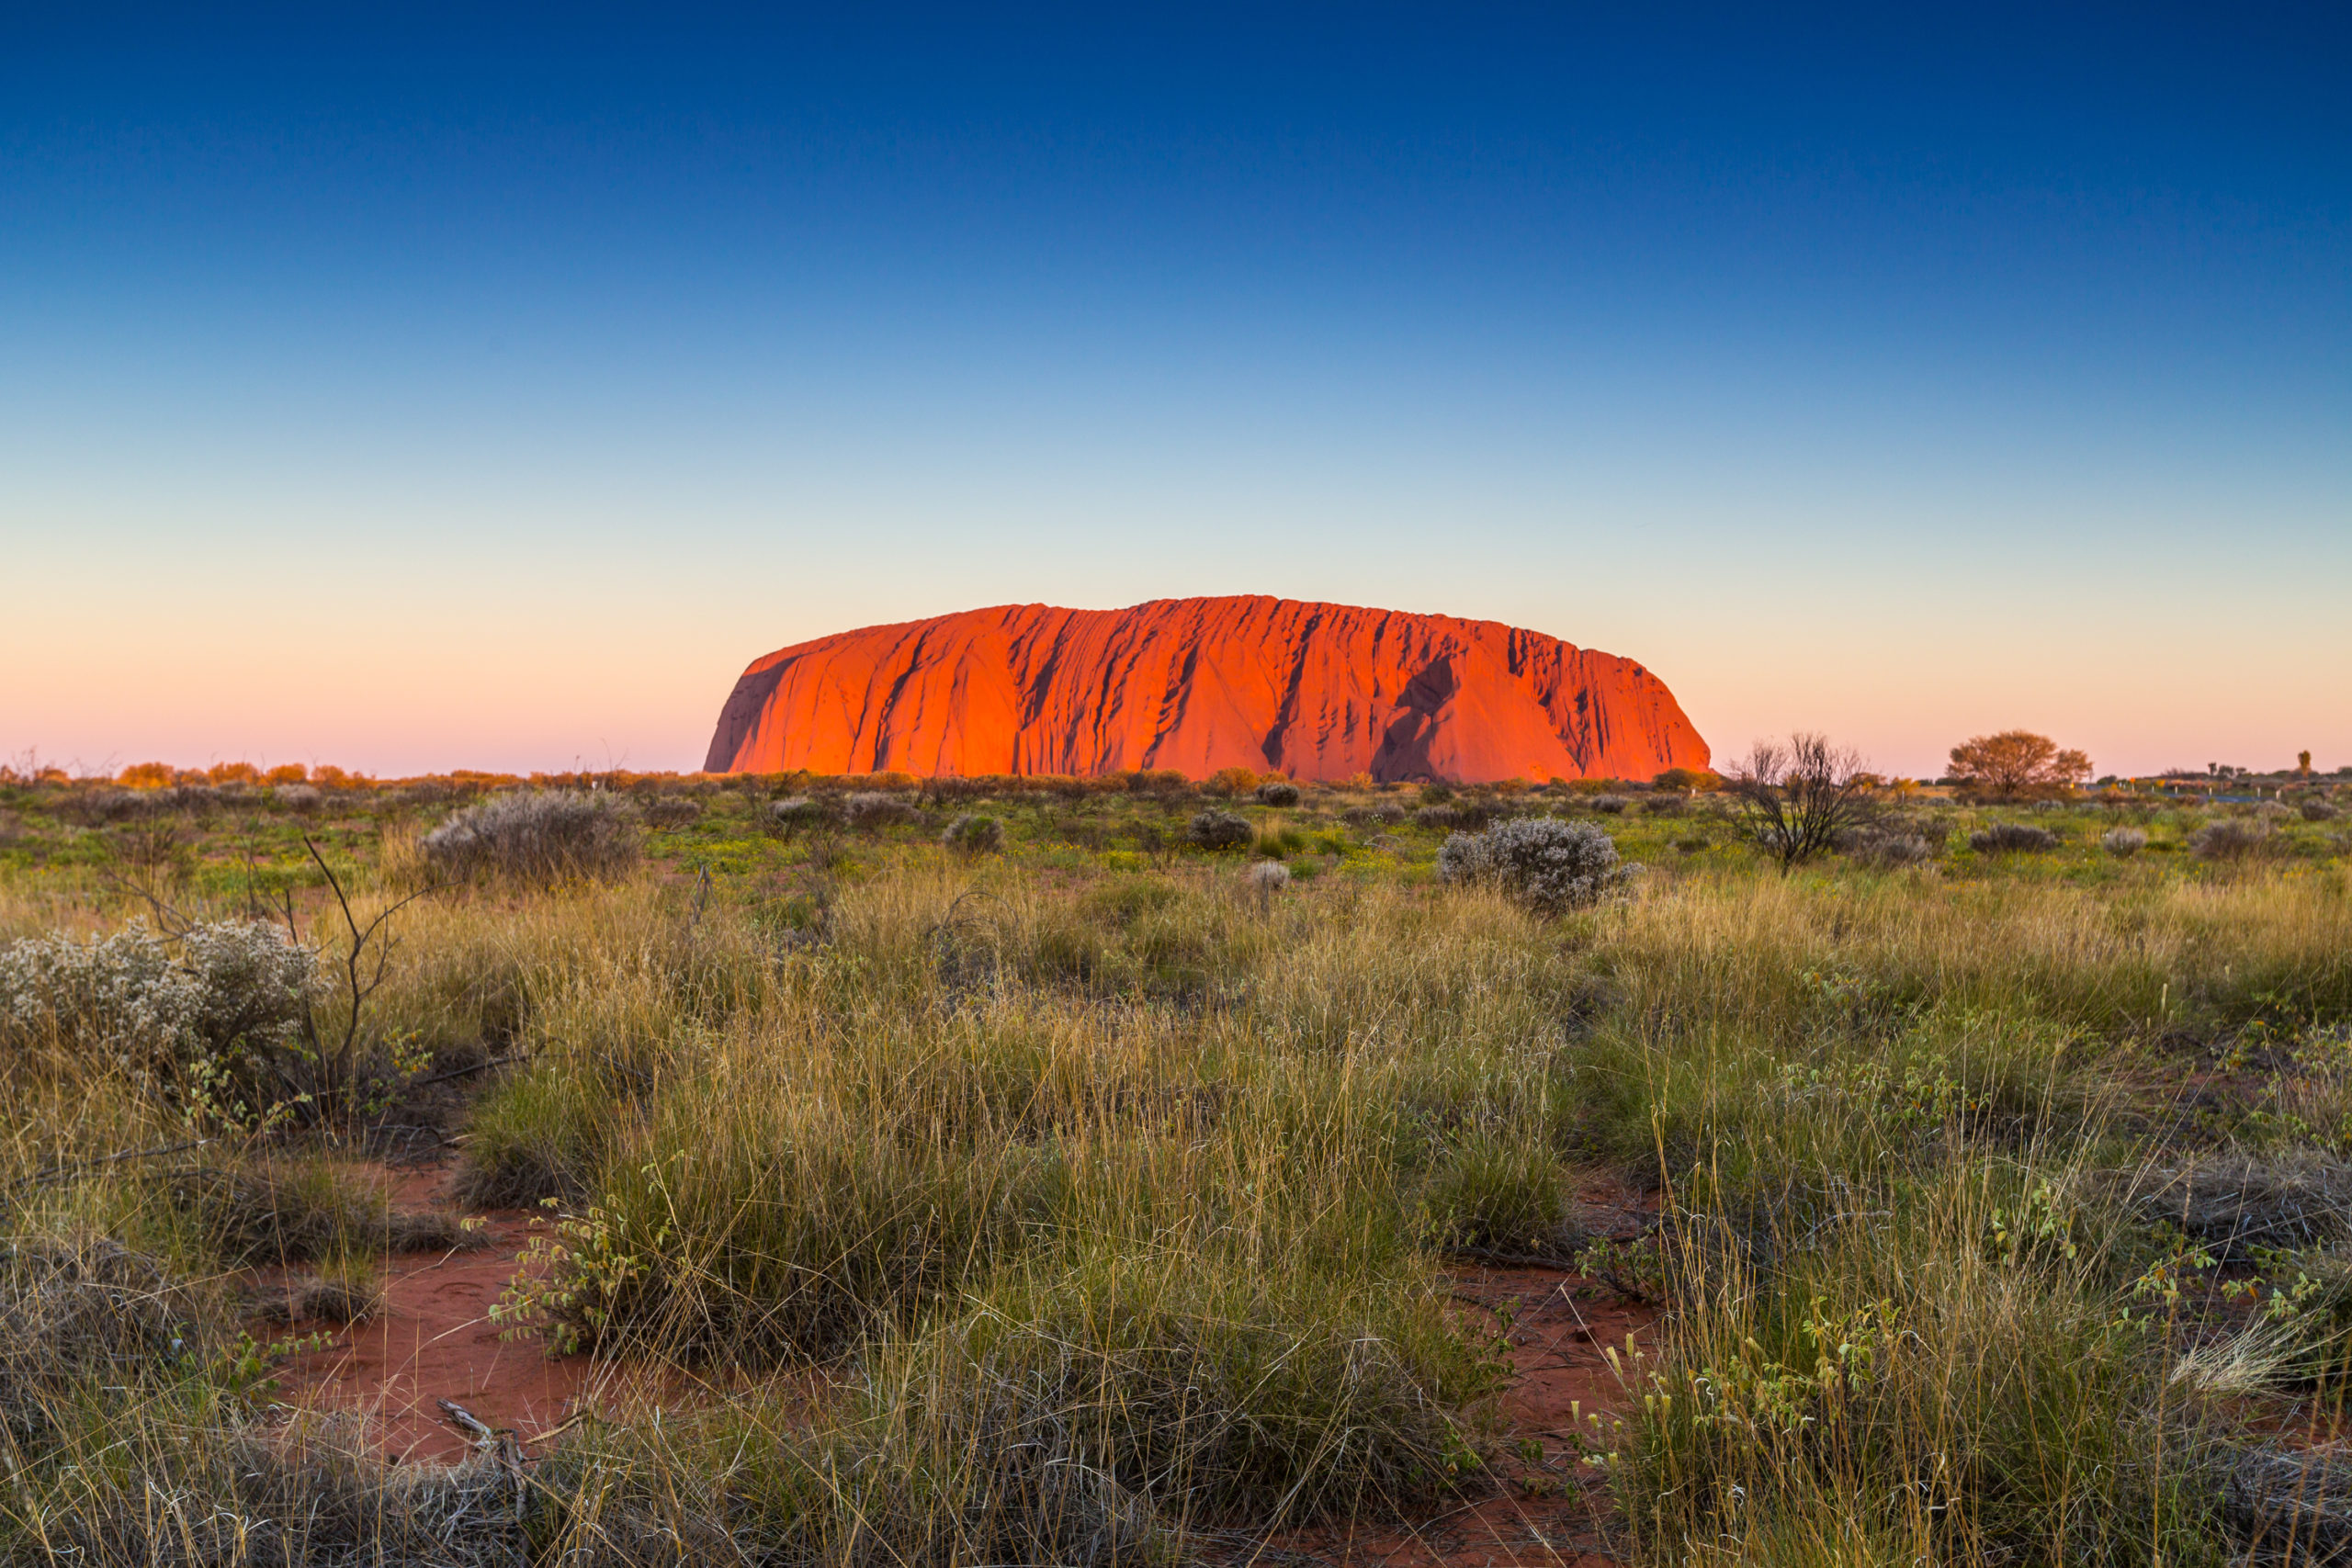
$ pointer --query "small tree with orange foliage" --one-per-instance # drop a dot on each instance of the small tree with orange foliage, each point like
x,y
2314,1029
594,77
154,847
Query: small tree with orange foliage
x,y
147,776
1231,781
2015,763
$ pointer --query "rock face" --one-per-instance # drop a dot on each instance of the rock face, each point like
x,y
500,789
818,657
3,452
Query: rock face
x,y
1318,692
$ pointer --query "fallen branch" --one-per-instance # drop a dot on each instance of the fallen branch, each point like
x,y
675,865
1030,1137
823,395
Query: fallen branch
x,y
72,1166
1494,1258
466,1421
461,1072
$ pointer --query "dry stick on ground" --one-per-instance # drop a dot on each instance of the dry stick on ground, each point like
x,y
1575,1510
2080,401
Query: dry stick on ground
x,y
73,1166
431,1078
70,1167
498,1444
466,1421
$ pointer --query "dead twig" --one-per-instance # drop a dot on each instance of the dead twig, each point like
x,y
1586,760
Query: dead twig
x,y
70,1167
360,979
462,1072
174,924
1494,1257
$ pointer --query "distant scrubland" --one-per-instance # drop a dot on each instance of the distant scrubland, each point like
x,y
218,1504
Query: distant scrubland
x,y
1022,1171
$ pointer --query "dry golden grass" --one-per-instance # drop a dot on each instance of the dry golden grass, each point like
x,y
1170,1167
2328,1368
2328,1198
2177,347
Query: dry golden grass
x,y
1111,1199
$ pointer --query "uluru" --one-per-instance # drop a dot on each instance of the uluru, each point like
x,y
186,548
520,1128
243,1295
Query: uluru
x,y
1313,690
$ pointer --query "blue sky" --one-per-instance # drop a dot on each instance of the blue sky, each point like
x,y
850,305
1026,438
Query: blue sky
x,y
414,390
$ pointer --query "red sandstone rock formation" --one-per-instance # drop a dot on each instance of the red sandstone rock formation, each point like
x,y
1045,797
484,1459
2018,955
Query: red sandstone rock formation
x,y
1318,692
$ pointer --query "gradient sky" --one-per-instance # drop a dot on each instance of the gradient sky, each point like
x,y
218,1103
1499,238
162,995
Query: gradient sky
x,y
417,388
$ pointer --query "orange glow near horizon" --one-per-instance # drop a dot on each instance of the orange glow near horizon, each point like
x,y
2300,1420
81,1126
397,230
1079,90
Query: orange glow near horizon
x,y
557,690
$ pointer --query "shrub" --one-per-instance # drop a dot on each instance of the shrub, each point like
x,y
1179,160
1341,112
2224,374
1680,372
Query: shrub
x,y
797,812
1220,830
1435,794
1437,816
1231,781
1269,878
2123,842
2318,811
1278,792
1280,843
872,810
301,797
2012,838
539,836
2232,838
668,810
1164,781
1609,805
974,835
1889,845
1541,862
225,1018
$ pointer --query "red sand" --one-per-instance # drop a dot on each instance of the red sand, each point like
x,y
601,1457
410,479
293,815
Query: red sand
x,y
433,1340
1317,691
1554,1510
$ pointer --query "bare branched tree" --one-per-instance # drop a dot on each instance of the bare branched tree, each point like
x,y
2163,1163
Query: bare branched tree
x,y
337,1061
1798,796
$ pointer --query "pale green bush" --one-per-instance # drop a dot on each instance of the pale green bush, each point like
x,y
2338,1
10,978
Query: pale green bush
x,y
972,834
1541,862
231,996
537,836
